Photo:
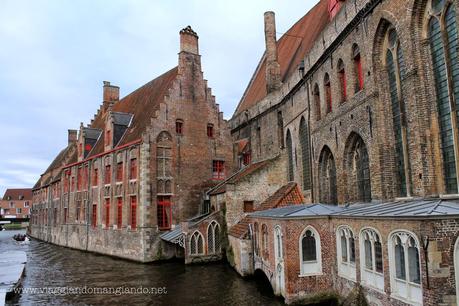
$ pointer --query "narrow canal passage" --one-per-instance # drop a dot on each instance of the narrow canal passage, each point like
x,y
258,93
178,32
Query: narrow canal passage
x,y
54,267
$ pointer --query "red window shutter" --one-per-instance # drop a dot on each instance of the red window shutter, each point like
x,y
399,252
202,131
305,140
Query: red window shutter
x,y
108,174
164,213
119,172
210,130
342,77
94,215
107,212
179,127
133,212
120,213
133,174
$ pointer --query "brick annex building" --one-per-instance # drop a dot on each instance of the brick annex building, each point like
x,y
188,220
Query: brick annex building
x,y
353,109
16,203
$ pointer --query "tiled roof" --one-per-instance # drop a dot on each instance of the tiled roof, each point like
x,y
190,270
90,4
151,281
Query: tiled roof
x,y
286,195
16,192
241,174
292,48
289,194
142,103
241,229
419,208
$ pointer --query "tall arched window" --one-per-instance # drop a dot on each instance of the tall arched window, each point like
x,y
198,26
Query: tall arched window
x,y
264,235
316,94
327,177
305,154
396,72
405,266
289,145
345,244
196,244
371,260
310,252
213,238
255,239
342,80
444,49
358,69
357,166
328,94
278,243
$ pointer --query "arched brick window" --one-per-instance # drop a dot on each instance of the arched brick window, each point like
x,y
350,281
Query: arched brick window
x,y
328,94
371,262
310,252
345,243
342,80
327,177
316,95
305,154
213,238
395,65
264,235
405,269
289,145
443,38
196,244
357,166
358,69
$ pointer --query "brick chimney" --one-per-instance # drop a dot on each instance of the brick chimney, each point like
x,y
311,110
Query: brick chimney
x,y
111,94
273,76
72,136
189,41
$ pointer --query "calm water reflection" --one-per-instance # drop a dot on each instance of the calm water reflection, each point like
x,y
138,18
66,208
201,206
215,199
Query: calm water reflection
x,y
53,266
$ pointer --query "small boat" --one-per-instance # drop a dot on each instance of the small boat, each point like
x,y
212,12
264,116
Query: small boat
x,y
20,237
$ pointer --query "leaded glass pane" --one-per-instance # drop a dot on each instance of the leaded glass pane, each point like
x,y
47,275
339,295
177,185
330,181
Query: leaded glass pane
x,y
290,156
305,157
413,264
343,247
309,247
352,250
368,255
444,110
378,257
399,262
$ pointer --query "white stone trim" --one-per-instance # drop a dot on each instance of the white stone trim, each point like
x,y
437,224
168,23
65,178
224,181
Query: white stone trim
x,y
310,268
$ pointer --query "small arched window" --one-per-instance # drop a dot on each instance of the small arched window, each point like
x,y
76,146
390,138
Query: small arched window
x,y
346,252
342,80
371,262
327,177
328,94
310,252
405,267
213,238
316,94
264,233
196,244
179,126
358,70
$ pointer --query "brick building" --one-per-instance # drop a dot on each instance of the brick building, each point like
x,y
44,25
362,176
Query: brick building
x,y
16,203
139,168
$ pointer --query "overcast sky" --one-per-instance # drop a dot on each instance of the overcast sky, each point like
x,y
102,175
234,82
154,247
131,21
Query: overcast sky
x,y
54,56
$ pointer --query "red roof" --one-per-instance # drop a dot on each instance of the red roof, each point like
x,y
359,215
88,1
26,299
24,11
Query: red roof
x,y
15,193
287,195
292,47
142,103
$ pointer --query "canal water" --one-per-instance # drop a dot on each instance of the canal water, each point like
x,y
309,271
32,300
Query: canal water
x,y
61,276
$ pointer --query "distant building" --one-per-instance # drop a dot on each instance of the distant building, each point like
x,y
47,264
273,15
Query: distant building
x,y
16,203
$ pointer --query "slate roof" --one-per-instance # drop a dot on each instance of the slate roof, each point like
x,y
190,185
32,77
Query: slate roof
x,y
173,235
14,193
291,48
419,208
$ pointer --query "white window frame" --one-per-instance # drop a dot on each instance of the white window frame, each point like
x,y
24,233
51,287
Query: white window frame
x,y
18,210
213,226
193,238
309,268
346,269
404,290
279,260
370,277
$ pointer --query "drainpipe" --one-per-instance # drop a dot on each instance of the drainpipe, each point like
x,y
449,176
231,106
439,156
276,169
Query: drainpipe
x,y
425,246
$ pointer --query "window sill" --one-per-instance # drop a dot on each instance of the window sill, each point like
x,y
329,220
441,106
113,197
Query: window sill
x,y
311,274
371,287
400,298
349,278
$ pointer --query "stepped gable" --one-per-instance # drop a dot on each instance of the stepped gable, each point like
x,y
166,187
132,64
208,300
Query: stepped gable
x,y
292,47
142,103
